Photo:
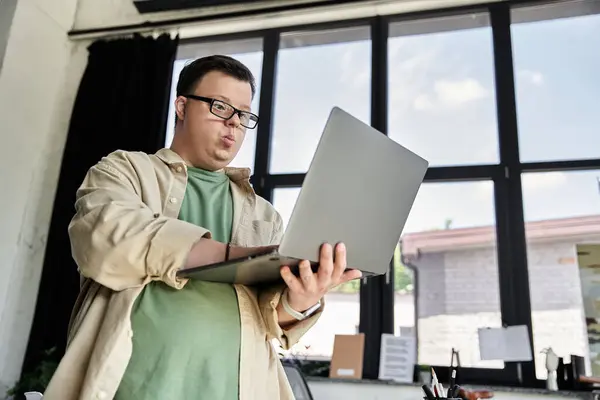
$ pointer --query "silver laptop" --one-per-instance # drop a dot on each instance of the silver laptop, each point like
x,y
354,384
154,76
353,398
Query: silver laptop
x,y
359,190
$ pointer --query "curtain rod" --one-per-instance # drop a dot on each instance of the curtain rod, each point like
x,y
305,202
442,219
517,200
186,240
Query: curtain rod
x,y
175,23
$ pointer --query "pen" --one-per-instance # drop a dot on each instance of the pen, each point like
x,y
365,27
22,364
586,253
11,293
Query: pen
x,y
437,388
428,393
434,380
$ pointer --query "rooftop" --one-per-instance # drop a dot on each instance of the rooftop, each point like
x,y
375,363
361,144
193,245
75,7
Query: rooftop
x,y
575,228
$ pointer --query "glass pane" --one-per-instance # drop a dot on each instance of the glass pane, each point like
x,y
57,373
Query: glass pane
x,y
249,52
561,209
452,246
316,71
441,89
342,314
558,86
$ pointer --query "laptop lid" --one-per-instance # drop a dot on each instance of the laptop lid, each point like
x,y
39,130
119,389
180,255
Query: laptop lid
x,y
359,190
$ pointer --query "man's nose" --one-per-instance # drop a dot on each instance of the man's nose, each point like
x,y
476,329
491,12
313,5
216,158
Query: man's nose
x,y
234,121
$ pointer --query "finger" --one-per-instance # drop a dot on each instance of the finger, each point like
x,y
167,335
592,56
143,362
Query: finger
x,y
350,275
340,264
307,276
325,265
292,282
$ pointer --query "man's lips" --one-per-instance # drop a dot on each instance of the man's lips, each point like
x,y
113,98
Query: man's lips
x,y
228,140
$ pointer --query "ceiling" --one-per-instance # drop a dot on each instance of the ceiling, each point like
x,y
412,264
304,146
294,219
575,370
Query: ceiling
x,y
148,6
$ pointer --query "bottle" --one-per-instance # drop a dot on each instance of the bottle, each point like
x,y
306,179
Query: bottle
x,y
551,367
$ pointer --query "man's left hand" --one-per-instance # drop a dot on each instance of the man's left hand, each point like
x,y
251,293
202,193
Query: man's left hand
x,y
306,290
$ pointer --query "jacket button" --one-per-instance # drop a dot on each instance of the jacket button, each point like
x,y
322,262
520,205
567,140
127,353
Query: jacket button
x,y
156,215
173,200
179,168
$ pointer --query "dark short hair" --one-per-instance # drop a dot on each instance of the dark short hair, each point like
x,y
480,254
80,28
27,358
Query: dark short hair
x,y
193,72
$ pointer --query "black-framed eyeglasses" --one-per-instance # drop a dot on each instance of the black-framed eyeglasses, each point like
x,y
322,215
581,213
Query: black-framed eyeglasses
x,y
225,110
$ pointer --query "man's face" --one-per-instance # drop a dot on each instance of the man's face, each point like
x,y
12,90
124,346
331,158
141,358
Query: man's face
x,y
208,141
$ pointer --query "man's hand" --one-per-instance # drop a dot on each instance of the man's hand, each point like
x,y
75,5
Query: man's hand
x,y
305,291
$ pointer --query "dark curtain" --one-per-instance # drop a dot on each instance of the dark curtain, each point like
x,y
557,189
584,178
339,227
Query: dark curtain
x,y
122,103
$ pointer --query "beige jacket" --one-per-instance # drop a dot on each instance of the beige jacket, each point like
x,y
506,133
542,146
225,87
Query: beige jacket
x,y
126,234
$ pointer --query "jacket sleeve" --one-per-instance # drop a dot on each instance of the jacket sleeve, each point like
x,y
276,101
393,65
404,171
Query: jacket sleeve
x,y
268,300
117,240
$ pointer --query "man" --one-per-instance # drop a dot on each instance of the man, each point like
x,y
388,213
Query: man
x,y
140,332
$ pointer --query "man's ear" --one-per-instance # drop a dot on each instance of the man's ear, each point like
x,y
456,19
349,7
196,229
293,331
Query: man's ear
x,y
180,107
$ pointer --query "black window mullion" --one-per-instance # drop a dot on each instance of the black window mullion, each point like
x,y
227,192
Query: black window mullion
x,y
377,293
512,257
463,173
563,165
285,180
266,109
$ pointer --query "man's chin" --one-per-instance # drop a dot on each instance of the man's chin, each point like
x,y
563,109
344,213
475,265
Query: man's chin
x,y
225,157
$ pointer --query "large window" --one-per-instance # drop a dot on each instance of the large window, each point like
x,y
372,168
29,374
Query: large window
x,y
558,86
317,70
562,209
249,52
514,178
450,240
442,106
441,89
557,93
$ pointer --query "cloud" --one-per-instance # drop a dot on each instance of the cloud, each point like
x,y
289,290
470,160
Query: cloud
x,y
409,73
353,71
413,67
535,78
423,102
451,94
457,93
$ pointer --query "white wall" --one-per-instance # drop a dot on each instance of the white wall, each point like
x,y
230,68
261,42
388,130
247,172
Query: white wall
x,y
38,81
7,11
364,391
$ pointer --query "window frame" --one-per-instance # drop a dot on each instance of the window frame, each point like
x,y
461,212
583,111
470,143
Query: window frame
x,y
377,294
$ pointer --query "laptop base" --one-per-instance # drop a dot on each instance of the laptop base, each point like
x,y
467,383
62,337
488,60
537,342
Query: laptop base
x,y
254,270
257,269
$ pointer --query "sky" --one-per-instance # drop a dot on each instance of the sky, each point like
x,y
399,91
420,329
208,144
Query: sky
x,y
442,106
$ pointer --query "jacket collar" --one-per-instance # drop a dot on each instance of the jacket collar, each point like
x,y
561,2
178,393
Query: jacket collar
x,y
169,157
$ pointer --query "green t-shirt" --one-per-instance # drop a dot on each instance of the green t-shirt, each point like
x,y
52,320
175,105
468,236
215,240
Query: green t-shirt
x,y
186,343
